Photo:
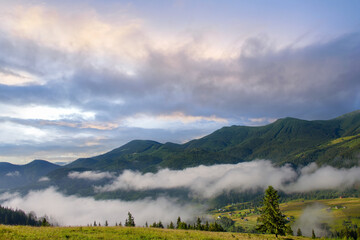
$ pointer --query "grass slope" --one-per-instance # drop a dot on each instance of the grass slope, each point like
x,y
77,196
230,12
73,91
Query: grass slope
x,y
32,233
338,210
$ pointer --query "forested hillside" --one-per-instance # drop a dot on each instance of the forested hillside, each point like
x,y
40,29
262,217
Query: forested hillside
x,y
287,140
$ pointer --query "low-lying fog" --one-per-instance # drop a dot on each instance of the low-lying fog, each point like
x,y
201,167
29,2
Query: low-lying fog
x,y
202,182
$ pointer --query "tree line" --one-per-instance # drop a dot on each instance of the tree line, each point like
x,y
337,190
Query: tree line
x,y
10,216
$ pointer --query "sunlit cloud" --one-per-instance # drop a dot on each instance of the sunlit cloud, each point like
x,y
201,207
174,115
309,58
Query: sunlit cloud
x,y
44,112
86,72
18,78
175,119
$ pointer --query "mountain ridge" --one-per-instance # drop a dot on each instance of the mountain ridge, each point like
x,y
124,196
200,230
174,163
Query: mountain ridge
x,y
287,140
13,175
299,142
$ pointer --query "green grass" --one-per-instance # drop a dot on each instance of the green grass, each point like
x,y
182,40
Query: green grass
x,y
339,210
24,232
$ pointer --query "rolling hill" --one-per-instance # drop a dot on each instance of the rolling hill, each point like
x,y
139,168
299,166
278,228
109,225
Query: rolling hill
x,y
12,175
333,142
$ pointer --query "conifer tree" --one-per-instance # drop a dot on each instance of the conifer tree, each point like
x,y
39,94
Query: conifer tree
x,y
313,234
198,224
299,233
171,225
178,222
129,222
271,219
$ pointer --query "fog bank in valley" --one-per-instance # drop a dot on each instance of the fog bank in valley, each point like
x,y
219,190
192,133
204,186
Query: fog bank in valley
x,y
73,210
211,181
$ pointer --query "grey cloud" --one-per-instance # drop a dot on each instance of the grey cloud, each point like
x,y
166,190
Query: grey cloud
x,y
319,80
261,82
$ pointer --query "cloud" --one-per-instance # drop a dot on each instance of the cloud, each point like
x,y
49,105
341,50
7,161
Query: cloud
x,y
13,174
326,178
44,179
210,181
207,181
6,196
72,210
109,76
90,175
313,217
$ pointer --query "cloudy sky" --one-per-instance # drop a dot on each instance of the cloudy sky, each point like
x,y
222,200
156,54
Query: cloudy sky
x,y
79,78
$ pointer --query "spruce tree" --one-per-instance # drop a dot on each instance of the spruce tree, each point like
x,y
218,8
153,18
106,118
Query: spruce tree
x,y
271,220
299,233
129,222
178,223
171,226
313,234
198,224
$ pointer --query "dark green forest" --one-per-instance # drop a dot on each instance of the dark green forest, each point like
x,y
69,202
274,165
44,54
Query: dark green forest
x,y
9,216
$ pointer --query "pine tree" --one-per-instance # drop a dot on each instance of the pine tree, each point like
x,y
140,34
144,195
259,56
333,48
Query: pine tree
x,y
313,234
198,224
106,223
171,226
129,222
178,222
271,219
299,233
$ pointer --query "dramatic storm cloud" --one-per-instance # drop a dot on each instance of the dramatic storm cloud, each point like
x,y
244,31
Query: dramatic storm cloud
x,y
72,210
210,181
93,76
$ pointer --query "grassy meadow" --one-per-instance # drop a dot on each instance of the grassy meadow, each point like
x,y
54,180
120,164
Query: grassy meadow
x,y
25,232
338,210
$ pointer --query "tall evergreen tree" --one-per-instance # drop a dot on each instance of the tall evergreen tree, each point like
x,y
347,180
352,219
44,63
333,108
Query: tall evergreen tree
x,y
130,222
313,234
299,233
171,226
271,219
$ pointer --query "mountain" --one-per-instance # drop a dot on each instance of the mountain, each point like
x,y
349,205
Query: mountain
x,y
333,142
12,175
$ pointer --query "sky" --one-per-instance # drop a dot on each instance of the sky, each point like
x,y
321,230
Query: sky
x,y
79,78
